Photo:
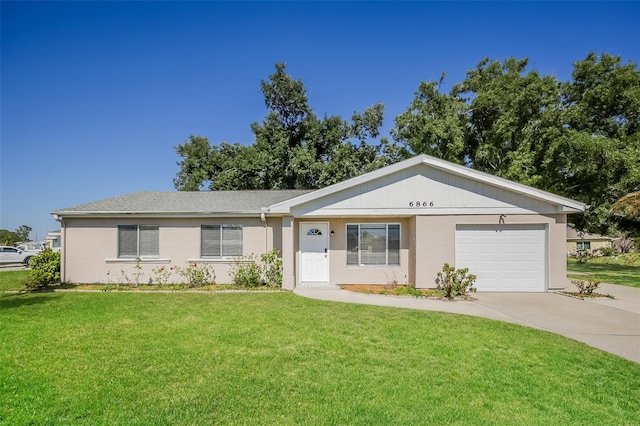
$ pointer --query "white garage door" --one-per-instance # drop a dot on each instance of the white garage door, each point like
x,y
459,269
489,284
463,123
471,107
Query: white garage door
x,y
503,257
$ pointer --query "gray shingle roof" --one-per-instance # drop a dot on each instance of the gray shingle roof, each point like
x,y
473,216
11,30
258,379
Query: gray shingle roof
x,y
186,202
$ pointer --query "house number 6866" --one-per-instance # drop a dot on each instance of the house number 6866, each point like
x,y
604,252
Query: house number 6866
x,y
420,203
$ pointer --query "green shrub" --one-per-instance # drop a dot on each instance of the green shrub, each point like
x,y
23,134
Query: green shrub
x,y
162,275
587,286
249,272
455,282
272,268
606,251
406,290
246,272
45,269
197,275
581,256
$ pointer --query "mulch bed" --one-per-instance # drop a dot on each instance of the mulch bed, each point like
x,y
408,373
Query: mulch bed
x,y
585,295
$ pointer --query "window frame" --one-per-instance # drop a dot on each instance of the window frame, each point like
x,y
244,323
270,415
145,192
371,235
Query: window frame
x,y
139,228
221,242
583,245
359,264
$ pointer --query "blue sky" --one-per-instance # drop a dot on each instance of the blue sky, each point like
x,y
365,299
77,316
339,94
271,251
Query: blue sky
x,y
95,95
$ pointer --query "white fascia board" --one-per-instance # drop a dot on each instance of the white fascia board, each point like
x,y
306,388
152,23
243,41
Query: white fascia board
x,y
285,206
568,205
119,215
418,212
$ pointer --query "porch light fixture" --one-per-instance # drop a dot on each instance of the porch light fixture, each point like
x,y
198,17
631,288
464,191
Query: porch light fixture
x,y
333,233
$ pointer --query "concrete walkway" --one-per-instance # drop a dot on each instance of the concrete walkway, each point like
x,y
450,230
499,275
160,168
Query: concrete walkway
x,y
612,325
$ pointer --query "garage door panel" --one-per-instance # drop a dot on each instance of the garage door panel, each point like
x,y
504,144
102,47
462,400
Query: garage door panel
x,y
503,257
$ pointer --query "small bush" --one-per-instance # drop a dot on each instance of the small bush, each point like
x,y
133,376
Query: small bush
x,y
162,275
581,256
45,269
196,275
272,268
455,282
606,251
249,272
587,286
625,245
246,273
404,290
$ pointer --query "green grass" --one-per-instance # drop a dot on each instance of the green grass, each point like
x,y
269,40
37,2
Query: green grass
x,y
13,280
276,358
622,270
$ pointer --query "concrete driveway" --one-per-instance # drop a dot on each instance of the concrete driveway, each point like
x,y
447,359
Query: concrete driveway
x,y
612,325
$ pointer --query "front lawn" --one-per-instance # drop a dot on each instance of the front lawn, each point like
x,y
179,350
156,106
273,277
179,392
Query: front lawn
x,y
276,358
622,270
14,280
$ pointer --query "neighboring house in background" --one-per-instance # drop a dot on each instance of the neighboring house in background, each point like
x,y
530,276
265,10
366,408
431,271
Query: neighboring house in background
x,y
399,223
577,241
54,240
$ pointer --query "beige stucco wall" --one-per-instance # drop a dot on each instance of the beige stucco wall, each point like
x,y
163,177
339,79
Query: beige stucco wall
x,y
435,244
340,273
91,247
595,244
426,243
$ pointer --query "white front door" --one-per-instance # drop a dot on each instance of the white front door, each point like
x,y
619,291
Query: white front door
x,y
314,252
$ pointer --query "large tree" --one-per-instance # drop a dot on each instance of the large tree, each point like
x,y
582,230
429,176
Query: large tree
x,y
8,238
23,232
293,147
580,138
596,156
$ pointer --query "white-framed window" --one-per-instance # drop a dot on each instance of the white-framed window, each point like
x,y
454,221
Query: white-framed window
x,y
138,241
220,241
583,245
373,244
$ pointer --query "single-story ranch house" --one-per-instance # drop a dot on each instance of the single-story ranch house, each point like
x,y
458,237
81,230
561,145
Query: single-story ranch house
x,y
577,241
401,222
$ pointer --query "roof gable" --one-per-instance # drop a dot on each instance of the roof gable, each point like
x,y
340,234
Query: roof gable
x,y
438,186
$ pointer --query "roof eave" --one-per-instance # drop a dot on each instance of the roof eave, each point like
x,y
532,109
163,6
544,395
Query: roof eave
x,y
568,205
121,214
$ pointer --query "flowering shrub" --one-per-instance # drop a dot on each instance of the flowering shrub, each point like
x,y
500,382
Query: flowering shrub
x,y
581,256
249,272
272,268
197,275
587,286
246,272
455,282
162,275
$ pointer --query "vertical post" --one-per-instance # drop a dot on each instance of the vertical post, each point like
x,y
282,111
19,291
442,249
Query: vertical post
x,y
288,254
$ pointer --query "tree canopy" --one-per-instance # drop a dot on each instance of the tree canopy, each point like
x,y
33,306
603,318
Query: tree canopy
x,y
11,238
293,147
579,138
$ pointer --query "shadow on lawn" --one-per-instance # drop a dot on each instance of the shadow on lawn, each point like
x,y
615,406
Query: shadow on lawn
x,y
19,300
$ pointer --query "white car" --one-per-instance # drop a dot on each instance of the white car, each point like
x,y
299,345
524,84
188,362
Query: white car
x,y
16,255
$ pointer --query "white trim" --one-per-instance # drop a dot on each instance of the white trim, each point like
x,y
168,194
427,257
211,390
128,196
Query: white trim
x,y
417,212
568,205
386,264
218,260
136,260
155,215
